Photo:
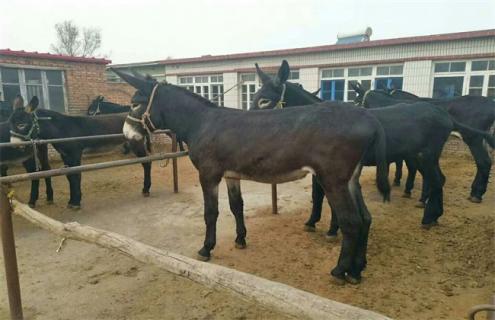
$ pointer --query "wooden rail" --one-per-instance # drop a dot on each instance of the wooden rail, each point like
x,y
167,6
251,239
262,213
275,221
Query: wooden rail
x,y
283,298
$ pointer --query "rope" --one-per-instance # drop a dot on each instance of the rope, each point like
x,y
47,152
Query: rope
x,y
281,103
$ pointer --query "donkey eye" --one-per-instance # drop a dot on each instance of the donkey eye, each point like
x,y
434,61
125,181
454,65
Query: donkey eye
x,y
263,103
21,126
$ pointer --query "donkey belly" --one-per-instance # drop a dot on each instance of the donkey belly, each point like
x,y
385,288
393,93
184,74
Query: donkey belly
x,y
264,178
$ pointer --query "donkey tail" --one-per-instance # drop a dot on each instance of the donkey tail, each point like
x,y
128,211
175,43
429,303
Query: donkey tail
x,y
382,182
489,138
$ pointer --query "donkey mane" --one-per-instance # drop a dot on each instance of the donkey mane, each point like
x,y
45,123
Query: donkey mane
x,y
193,95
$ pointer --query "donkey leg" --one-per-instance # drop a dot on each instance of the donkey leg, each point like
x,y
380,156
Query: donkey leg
x,y
483,166
237,207
398,172
138,149
72,160
30,166
147,179
411,176
433,177
334,224
317,195
210,198
350,223
360,261
45,165
3,170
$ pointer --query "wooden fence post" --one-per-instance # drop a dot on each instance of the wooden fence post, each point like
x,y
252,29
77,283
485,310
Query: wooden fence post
x,y
274,199
174,164
9,255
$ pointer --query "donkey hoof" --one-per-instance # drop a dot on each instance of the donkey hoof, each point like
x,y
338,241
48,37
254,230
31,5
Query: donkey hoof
x,y
338,280
427,226
397,183
74,206
309,228
201,257
49,202
474,199
352,280
146,194
32,205
240,245
331,237
406,195
420,204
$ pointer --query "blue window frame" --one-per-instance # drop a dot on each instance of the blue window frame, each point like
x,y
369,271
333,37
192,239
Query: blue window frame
x,y
388,83
332,90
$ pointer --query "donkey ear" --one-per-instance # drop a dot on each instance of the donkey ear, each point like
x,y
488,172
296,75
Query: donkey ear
x,y
18,102
33,104
283,73
263,76
315,93
136,80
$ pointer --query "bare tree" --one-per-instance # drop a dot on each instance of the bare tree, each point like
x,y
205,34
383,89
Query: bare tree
x,y
71,41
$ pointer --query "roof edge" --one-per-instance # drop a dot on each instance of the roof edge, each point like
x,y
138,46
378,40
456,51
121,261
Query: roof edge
x,y
50,56
323,48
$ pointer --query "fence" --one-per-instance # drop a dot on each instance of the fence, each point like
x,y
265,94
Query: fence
x,y
283,298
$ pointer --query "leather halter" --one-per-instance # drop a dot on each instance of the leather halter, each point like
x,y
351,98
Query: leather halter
x,y
146,117
281,103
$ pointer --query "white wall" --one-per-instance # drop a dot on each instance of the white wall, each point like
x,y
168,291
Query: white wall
x,y
418,77
309,78
231,97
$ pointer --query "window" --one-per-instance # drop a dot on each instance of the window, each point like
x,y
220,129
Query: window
x,y
491,87
476,85
389,83
209,87
184,80
47,85
450,67
351,94
294,75
332,90
247,93
11,85
248,77
389,70
332,73
446,87
359,72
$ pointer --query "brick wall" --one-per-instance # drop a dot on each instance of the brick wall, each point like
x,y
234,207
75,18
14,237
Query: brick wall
x,y
120,93
83,80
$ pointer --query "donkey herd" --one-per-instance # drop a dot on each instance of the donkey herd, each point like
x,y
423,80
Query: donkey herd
x,y
287,134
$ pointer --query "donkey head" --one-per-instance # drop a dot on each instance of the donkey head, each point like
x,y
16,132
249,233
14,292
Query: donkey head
x,y
273,90
138,121
93,107
23,122
360,93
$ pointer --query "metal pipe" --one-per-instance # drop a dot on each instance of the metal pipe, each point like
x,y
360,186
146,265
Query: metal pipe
x,y
71,139
58,140
174,164
274,199
89,167
9,256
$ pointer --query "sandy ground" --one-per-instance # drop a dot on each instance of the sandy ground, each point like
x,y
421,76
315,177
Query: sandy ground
x,y
411,274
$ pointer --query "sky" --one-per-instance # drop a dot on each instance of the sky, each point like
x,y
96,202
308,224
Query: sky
x,y
147,30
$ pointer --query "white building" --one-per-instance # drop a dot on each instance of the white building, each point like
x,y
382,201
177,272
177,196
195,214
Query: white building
x,y
431,66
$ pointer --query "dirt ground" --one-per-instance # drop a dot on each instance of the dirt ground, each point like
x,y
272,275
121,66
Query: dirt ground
x,y
412,273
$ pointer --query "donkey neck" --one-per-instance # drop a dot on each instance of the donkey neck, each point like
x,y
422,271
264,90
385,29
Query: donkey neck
x,y
297,96
182,111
